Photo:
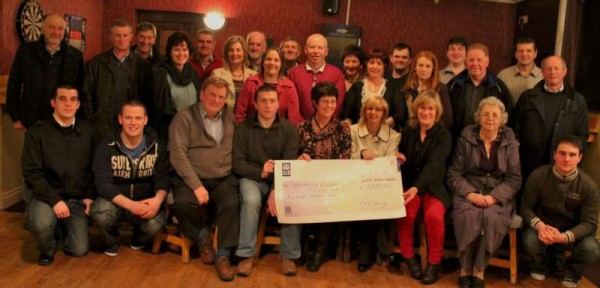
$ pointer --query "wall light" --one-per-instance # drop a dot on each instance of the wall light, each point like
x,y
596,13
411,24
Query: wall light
x,y
214,20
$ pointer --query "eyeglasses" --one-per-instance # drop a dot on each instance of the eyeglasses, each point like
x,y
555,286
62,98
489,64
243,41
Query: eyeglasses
x,y
490,115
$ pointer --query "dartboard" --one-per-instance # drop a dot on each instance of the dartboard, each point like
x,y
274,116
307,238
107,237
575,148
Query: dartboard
x,y
29,21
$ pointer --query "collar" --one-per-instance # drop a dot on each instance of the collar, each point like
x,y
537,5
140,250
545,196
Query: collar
x,y
62,124
51,52
448,70
535,71
204,115
382,135
124,57
320,70
566,178
137,50
561,89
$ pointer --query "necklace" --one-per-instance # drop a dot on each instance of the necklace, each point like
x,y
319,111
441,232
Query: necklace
x,y
319,126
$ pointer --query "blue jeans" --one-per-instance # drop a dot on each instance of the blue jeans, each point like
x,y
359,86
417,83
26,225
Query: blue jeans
x,y
252,194
585,251
43,226
106,217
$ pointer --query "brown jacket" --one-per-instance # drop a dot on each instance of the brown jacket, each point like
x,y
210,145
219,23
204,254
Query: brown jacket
x,y
194,154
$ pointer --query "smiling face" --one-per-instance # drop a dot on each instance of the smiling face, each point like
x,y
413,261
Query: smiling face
x,y
133,119
291,50
204,44
554,72
490,117
566,158
272,64
427,114
456,53
256,45
120,37
316,50
525,53
477,63
180,54
53,29
145,41
400,59
236,54
375,67
212,99
326,106
65,104
374,114
351,66
424,68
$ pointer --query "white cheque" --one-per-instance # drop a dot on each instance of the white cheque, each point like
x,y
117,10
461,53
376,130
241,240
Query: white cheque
x,y
338,190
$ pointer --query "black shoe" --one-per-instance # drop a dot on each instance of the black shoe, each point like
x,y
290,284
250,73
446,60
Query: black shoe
x,y
315,260
477,282
465,281
414,267
45,260
430,275
362,267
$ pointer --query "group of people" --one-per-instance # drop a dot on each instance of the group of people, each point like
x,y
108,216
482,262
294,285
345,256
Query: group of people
x,y
470,144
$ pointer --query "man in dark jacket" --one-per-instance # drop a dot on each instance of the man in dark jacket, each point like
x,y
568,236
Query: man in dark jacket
x,y
145,36
112,78
472,85
131,176
549,111
56,161
560,206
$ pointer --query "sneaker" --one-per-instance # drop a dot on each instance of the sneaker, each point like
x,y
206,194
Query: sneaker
x,y
112,250
135,245
570,283
538,276
45,260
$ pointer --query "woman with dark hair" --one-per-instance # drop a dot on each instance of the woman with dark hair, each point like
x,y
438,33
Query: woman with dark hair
x,y
373,84
271,73
372,138
176,84
353,64
424,148
484,176
422,76
322,136
235,69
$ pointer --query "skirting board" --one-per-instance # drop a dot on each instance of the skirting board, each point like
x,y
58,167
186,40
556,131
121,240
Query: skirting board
x,y
11,197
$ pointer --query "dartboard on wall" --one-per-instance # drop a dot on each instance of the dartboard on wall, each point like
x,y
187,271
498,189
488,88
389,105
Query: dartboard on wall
x,y
29,21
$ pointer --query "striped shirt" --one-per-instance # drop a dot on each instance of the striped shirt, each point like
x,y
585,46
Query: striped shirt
x,y
518,83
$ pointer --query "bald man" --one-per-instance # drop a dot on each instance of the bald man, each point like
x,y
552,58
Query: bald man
x,y
315,70
551,110
257,44
38,68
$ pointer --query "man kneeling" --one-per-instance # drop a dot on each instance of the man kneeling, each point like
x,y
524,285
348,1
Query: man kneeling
x,y
131,176
560,203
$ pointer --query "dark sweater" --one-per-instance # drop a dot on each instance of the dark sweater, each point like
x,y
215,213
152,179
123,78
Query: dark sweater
x,y
57,161
253,145
569,206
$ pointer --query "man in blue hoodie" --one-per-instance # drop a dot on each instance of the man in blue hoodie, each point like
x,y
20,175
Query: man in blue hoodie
x,y
131,176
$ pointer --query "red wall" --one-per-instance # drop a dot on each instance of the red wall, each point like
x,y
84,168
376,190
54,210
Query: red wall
x,y
421,23
9,40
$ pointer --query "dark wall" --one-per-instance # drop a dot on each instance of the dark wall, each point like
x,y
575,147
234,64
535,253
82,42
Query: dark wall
x,y
588,64
543,18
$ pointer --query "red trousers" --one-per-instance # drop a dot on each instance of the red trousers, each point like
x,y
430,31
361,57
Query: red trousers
x,y
433,214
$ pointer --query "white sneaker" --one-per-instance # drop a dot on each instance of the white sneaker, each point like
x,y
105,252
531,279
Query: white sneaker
x,y
538,276
570,283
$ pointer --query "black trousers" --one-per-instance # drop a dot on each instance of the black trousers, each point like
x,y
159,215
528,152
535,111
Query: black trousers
x,y
224,202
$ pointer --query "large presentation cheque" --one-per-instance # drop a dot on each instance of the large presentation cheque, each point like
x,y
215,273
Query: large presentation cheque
x,y
337,190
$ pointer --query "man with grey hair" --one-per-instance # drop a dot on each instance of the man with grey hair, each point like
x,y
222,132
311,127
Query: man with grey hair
x,y
113,77
204,59
145,35
257,44
547,112
291,49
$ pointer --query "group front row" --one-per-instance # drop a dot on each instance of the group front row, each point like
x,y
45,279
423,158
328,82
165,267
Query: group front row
x,y
225,174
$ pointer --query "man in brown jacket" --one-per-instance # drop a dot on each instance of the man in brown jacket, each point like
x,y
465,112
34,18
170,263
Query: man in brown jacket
x,y
200,145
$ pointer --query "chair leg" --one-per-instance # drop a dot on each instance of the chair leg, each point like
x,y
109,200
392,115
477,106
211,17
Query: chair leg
x,y
513,256
186,243
260,234
157,241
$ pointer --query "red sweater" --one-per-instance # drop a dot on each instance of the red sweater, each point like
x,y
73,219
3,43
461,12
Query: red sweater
x,y
205,73
303,80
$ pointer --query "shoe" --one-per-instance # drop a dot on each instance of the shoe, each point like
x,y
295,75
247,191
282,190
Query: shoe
x,y
477,282
315,260
113,250
244,268
136,245
568,282
362,267
430,275
414,267
45,260
537,276
464,281
288,267
207,253
224,269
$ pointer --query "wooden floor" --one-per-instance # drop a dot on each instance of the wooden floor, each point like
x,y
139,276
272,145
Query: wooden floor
x,y
18,268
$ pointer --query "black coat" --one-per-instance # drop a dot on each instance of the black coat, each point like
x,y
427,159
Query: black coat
x,y
425,166
393,96
26,80
530,126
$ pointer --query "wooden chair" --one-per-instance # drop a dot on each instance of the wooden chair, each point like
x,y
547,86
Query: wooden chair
x,y
3,87
172,235
272,237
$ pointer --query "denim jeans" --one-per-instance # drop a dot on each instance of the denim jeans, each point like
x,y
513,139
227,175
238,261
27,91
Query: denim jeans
x,y
106,217
252,194
43,224
585,251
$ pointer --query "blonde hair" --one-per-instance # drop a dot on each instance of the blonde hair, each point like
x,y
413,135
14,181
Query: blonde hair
x,y
492,101
373,102
426,97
